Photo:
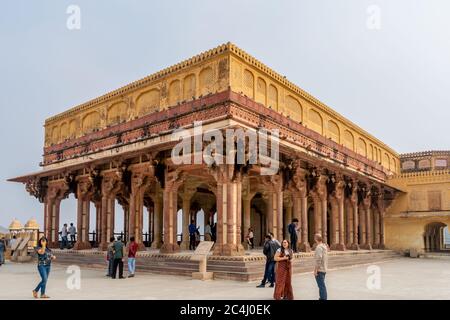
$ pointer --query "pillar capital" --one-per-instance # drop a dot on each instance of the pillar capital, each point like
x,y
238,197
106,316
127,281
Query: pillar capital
x,y
299,183
111,183
367,199
320,188
338,194
85,187
57,191
354,195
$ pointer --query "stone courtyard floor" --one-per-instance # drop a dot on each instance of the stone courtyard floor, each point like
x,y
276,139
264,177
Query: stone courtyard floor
x,y
402,278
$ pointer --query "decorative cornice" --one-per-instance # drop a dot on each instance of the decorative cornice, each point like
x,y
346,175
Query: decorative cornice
x,y
220,106
237,52
283,81
206,55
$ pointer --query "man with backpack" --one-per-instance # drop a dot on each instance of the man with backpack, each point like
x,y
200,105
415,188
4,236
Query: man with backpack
x,y
270,248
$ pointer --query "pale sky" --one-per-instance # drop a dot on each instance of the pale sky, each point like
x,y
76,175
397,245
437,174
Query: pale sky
x,y
393,81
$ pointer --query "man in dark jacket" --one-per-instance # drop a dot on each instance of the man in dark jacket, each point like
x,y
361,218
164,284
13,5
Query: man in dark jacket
x,y
292,229
269,250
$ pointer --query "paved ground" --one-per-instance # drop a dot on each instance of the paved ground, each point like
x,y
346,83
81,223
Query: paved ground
x,y
402,278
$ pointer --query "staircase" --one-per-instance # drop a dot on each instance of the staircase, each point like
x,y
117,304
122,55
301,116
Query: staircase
x,y
240,268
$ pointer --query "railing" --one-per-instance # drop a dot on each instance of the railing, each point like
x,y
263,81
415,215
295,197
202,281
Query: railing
x,y
147,238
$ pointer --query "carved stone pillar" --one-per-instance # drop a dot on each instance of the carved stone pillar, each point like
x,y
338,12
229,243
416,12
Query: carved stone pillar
x,y
334,224
142,177
84,194
270,203
157,222
338,199
173,180
376,229
239,230
304,245
55,193
47,213
300,206
381,211
317,214
367,204
186,197
320,198
349,224
111,184
354,206
54,235
279,211
362,226
229,185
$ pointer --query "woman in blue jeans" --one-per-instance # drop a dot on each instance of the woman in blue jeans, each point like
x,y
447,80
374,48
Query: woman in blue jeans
x,y
45,258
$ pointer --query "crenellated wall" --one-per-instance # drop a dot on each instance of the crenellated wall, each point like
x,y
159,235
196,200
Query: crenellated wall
x,y
214,71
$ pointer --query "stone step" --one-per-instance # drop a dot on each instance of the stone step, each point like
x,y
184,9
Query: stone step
x,y
225,268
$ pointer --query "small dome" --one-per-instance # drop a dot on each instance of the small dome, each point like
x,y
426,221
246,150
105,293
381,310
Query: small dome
x,y
15,225
31,224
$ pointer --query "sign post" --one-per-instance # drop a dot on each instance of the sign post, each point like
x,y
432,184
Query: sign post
x,y
201,255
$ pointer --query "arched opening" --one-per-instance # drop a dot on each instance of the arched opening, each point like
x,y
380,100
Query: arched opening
x,y
446,238
434,237
94,220
148,221
120,219
258,219
68,215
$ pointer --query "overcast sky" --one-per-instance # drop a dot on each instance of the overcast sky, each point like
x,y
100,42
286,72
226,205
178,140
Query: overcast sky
x,y
391,75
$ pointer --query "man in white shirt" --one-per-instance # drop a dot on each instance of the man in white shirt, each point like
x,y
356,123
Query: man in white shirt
x,y
64,241
321,265
72,231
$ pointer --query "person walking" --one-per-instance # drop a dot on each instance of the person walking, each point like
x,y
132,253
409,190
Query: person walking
x,y
192,231
110,256
321,265
45,257
118,248
132,249
64,241
292,229
283,282
2,250
72,232
269,250
250,238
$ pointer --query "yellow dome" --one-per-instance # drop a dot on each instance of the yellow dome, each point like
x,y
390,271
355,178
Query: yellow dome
x,y
31,224
15,225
